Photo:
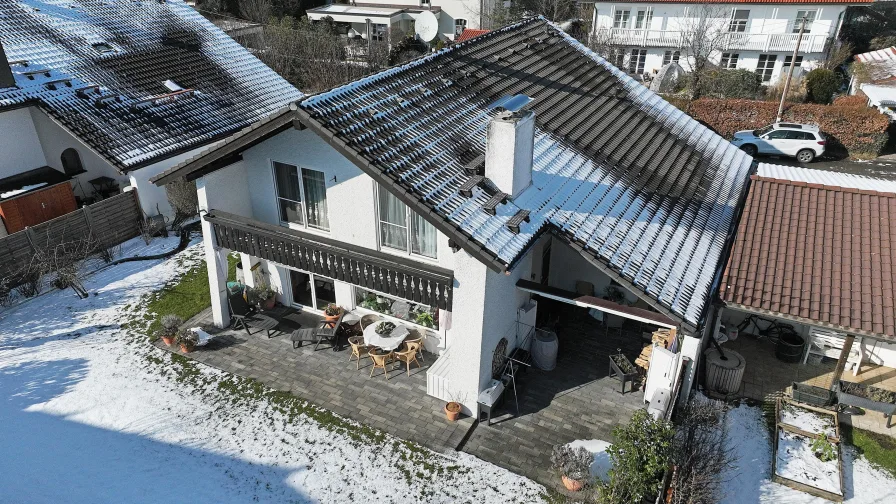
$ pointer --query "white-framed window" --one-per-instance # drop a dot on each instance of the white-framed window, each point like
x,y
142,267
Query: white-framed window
x,y
636,60
301,196
670,56
424,3
739,20
809,15
311,290
788,59
378,33
459,26
404,230
643,19
620,18
766,66
398,308
729,61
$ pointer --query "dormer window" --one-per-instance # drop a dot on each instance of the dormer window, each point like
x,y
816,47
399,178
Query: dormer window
x,y
103,48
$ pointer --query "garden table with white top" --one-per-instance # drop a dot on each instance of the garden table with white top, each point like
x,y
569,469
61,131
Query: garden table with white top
x,y
387,342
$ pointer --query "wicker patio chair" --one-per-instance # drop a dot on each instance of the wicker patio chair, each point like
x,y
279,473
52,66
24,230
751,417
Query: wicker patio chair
x,y
409,354
416,337
366,320
380,361
358,349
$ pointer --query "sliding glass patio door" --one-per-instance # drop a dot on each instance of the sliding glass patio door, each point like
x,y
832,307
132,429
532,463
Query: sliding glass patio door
x,y
310,290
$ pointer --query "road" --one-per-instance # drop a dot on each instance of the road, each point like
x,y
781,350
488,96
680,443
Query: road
x,y
883,167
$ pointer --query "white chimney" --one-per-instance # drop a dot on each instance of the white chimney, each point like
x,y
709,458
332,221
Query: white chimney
x,y
508,151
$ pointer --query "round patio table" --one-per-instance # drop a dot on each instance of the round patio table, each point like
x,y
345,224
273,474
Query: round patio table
x,y
387,342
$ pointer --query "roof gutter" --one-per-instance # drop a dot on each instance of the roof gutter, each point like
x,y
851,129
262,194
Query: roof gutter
x,y
403,194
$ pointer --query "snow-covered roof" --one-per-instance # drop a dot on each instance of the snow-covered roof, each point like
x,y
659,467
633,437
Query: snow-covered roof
x,y
881,63
95,65
825,178
882,97
622,175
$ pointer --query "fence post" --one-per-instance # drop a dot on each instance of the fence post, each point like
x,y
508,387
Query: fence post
x,y
89,219
29,233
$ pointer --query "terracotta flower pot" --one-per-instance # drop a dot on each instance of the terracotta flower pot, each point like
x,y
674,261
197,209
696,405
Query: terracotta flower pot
x,y
269,303
168,340
185,348
452,411
571,484
331,319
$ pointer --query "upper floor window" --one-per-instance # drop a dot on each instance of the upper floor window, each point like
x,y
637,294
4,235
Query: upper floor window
x,y
424,3
459,26
804,16
302,201
71,162
620,19
643,19
739,19
402,229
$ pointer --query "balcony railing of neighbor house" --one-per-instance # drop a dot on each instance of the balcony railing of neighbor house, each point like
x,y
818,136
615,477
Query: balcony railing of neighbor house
x,y
763,42
386,273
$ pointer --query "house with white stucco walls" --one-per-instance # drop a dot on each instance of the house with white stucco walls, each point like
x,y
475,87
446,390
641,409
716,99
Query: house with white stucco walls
x,y
468,185
112,93
759,36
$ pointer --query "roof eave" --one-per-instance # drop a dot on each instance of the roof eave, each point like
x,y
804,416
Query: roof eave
x,y
812,322
244,139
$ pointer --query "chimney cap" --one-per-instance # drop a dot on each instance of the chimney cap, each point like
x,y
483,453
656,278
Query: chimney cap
x,y
511,103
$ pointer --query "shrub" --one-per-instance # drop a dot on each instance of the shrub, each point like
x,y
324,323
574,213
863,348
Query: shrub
x,y
856,100
733,84
574,463
188,339
821,84
824,449
700,453
641,455
5,291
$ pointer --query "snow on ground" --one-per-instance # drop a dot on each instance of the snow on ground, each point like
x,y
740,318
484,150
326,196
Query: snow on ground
x,y
749,481
602,464
91,413
796,461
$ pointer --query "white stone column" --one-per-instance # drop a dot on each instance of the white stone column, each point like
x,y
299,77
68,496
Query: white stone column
x,y
215,260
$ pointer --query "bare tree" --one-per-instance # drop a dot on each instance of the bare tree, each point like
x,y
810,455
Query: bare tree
x,y
64,257
700,453
183,199
256,10
703,34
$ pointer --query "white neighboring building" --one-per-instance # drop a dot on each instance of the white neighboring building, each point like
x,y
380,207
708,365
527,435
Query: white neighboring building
x,y
453,15
759,36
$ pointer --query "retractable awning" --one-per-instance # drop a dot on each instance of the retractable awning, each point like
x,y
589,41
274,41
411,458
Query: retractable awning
x,y
629,312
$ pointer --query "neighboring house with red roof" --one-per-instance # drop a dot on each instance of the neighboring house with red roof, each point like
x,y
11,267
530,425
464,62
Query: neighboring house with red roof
x,y
470,33
815,249
759,36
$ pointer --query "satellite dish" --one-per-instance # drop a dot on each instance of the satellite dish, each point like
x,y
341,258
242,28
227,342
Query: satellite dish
x,y
427,26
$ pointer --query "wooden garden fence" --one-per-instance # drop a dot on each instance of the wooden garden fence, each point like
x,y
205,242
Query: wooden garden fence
x,y
111,221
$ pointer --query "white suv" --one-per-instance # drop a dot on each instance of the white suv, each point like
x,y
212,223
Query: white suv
x,y
802,141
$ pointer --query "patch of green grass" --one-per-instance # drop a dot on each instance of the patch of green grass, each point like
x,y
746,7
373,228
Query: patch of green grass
x,y
185,297
878,449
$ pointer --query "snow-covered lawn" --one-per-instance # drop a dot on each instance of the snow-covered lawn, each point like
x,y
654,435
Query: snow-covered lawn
x,y
90,412
750,480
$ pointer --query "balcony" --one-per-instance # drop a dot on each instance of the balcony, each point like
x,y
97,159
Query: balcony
x,y
762,42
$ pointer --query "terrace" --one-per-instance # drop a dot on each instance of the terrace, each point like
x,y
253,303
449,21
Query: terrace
x,y
574,401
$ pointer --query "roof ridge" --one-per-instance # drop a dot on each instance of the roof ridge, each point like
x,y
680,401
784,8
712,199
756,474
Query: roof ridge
x,y
827,187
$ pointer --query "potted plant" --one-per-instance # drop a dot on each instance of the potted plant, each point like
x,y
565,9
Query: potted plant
x,y
573,464
332,312
261,296
425,319
170,324
187,341
623,370
452,410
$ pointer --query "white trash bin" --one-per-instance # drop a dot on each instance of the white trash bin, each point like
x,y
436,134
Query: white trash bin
x,y
544,350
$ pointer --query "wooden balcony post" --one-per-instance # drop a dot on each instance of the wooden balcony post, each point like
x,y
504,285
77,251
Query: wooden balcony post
x,y
841,363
